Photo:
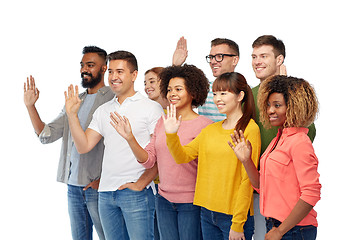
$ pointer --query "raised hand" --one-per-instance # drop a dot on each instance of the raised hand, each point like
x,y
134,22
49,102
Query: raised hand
x,y
241,146
31,93
121,125
283,70
72,100
180,53
171,123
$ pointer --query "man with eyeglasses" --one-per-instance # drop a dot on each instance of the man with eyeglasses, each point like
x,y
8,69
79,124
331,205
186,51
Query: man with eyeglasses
x,y
223,57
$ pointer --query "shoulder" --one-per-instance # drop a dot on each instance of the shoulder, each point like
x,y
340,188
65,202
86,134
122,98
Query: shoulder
x,y
204,120
252,126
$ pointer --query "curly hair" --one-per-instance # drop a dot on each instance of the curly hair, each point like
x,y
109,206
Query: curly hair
x,y
300,98
197,84
235,82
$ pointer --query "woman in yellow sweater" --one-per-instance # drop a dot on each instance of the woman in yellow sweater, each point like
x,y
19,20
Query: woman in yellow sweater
x,y
223,189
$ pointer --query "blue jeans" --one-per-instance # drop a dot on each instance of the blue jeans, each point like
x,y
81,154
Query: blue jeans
x,y
83,212
296,233
127,214
179,221
216,225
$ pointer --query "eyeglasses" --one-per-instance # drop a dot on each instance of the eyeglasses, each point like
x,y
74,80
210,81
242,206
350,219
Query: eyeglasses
x,y
218,57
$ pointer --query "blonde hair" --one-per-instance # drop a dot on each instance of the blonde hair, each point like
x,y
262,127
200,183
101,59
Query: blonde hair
x,y
300,98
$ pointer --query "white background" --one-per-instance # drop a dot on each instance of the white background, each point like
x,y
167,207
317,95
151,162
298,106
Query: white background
x,y
46,38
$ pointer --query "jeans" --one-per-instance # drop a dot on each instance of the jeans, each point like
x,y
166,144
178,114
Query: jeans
x,y
127,214
83,212
296,233
216,225
177,221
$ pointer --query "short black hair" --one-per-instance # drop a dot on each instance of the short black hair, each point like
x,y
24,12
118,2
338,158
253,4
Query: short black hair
x,y
124,55
94,49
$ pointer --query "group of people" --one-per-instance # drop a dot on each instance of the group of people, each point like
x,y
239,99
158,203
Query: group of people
x,y
240,166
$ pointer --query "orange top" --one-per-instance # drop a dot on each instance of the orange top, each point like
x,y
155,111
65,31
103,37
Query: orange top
x,y
288,173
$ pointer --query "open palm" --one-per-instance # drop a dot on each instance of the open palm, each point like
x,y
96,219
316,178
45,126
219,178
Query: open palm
x,y
241,146
171,123
121,125
72,100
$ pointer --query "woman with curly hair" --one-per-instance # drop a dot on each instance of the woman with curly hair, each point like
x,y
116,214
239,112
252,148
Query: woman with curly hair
x,y
185,87
223,189
288,180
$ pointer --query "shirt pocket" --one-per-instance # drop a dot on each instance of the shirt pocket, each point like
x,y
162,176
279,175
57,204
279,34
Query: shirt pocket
x,y
277,165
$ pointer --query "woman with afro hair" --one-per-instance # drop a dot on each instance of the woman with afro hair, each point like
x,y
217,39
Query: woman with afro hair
x,y
185,87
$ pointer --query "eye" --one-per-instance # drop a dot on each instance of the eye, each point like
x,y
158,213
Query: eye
x,y
223,93
90,65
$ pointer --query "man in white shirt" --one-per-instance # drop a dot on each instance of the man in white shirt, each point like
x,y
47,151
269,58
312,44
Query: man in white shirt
x,y
124,213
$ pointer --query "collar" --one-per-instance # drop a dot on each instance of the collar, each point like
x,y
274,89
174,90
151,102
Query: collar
x,y
291,131
137,96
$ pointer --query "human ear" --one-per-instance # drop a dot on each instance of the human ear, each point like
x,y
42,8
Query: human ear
x,y
280,60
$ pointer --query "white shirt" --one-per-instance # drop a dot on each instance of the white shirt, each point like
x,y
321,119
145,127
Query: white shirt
x,y
119,163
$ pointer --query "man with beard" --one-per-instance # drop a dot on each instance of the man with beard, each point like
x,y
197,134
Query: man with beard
x,y
81,172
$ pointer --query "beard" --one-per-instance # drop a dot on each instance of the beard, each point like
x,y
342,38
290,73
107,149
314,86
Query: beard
x,y
93,80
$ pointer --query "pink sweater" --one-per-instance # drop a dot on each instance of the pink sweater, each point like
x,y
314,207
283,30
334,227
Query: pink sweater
x,y
177,181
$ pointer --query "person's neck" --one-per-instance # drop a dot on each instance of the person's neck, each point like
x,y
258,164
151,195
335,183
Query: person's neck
x,y
96,88
121,98
232,118
187,113
162,101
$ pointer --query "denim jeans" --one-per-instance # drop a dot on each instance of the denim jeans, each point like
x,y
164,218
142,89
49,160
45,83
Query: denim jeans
x,y
216,225
83,212
177,221
296,233
127,214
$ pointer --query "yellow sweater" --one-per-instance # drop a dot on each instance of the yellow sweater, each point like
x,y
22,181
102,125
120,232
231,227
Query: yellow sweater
x,y
222,182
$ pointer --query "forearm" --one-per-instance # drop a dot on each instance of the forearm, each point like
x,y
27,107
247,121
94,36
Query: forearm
x,y
78,135
252,172
297,214
37,123
138,151
148,176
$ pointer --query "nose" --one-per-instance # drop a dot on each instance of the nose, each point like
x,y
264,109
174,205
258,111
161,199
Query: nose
x,y
270,109
84,68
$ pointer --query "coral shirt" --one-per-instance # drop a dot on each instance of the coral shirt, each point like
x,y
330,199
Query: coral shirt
x,y
288,173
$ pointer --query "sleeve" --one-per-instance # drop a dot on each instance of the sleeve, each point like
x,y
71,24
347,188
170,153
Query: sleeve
x,y
182,154
245,191
306,166
155,113
54,130
150,148
95,123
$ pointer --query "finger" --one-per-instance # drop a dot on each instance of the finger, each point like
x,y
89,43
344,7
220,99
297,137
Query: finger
x,y
32,82
65,96
86,187
231,145
113,118
236,137
168,111
124,186
242,136
27,84
76,92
